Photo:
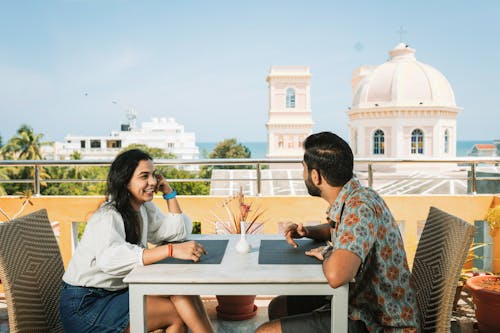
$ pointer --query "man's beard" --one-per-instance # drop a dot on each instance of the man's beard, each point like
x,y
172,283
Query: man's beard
x,y
311,188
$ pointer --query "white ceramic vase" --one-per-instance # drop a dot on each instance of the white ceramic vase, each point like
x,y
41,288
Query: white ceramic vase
x,y
243,246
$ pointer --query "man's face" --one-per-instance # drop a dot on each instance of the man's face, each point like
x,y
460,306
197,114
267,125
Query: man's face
x,y
311,188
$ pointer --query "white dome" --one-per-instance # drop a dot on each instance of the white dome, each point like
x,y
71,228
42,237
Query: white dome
x,y
401,81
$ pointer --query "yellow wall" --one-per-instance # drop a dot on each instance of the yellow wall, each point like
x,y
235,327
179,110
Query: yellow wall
x,y
409,210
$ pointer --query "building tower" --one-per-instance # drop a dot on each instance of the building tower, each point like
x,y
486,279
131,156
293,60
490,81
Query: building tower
x,y
290,120
402,108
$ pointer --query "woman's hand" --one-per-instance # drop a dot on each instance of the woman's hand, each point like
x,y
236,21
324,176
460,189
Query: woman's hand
x,y
188,251
162,185
293,230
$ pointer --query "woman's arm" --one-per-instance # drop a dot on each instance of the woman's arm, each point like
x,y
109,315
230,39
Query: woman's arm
x,y
168,192
106,239
188,251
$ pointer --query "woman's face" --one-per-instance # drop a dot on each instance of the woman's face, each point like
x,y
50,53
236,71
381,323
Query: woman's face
x,y
142,185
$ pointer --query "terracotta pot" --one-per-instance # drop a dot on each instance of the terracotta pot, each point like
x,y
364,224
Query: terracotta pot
x,y
236,307
486,296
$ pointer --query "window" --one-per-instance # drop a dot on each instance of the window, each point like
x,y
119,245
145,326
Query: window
x,y
82,144
114,144
378,142
300,141
446,142
290,98
417,141
95,143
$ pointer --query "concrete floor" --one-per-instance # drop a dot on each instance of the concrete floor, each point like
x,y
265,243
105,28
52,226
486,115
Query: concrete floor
x,y
463,319
244,326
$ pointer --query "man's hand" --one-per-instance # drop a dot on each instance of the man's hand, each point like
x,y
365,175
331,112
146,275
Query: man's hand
x,y
292,230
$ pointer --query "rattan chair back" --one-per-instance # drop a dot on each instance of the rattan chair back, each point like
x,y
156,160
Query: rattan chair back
x,y
440,256
31,271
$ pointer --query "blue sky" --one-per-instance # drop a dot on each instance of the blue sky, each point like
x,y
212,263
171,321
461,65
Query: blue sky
x,y
63,63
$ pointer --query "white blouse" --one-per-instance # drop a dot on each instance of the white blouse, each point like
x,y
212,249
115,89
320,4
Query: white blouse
x,y
103,258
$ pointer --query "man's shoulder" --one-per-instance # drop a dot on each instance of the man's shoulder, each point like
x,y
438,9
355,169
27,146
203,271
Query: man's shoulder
x,y
364,194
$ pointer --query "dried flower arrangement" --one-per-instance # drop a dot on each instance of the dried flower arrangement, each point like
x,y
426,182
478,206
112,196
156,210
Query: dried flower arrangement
x,y
237,211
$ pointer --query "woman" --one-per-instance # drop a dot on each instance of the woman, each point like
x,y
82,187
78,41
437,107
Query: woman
x,y
94,297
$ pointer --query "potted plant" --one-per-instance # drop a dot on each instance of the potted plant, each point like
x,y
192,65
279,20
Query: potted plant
x,y
485,291
467,271
493,220
238,307
485,288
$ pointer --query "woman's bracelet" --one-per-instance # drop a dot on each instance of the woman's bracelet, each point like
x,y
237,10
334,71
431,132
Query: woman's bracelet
x,y
170,250
171,195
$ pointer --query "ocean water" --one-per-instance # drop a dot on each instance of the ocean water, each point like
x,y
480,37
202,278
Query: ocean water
x,y
259,149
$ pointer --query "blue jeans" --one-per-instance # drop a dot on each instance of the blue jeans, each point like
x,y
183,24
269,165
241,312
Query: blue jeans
x,y
86,309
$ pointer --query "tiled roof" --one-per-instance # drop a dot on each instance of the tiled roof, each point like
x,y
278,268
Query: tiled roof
x,y
484,146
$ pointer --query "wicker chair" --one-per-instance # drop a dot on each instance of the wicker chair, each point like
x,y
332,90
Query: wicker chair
x,y
440,255
31,270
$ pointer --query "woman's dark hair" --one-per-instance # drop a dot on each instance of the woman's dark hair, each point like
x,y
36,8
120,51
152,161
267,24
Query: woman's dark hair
x,y
331,156
120,173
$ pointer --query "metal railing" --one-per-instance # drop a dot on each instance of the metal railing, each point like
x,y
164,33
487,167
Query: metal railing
x,y
368,164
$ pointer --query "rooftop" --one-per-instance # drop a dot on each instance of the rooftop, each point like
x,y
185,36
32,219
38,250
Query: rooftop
x,y
409,210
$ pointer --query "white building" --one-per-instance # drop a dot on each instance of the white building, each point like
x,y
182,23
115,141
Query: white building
x,y
483,150
163,133
403,109
290,119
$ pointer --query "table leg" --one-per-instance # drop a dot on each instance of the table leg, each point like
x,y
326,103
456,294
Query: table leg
x,y
137,306
340,301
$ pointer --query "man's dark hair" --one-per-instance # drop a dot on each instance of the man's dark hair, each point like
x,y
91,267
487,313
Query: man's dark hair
x,y
331,156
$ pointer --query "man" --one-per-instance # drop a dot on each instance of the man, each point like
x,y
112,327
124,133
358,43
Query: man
x,y
367,247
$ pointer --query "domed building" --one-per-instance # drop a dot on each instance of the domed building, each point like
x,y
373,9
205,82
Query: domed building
x,y
403,109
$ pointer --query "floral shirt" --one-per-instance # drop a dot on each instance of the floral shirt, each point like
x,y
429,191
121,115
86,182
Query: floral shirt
x,y
383,294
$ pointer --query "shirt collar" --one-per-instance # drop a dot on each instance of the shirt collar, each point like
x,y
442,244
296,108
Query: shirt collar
x,y
336,210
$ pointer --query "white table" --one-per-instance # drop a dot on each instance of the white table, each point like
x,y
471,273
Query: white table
x,y
238,274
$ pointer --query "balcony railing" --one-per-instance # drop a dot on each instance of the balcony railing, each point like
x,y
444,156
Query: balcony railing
x,y
365,169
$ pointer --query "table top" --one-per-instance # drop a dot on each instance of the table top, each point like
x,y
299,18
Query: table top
x,y
235,268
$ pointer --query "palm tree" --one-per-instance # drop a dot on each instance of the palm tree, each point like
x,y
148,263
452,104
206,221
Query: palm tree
x,y
3,176
24,146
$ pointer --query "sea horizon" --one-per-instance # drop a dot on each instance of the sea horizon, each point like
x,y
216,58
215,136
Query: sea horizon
x,y
259,148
